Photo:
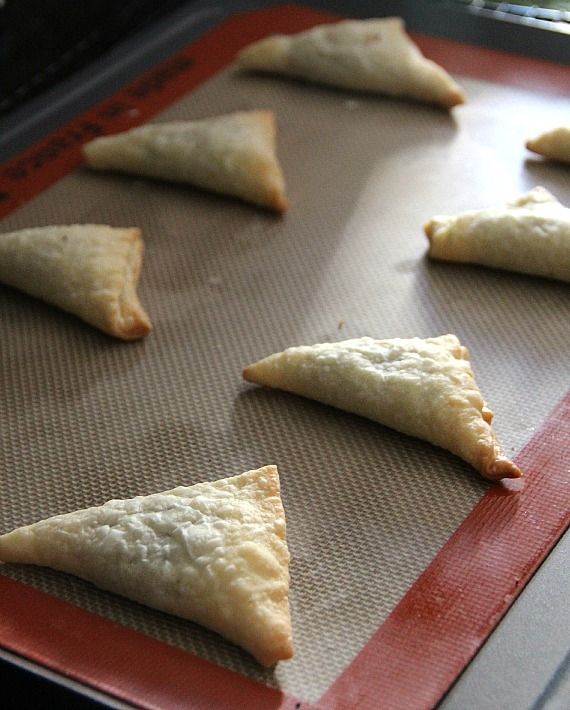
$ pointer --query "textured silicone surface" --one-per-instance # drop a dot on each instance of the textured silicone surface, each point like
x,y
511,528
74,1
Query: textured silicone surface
x,y
86,419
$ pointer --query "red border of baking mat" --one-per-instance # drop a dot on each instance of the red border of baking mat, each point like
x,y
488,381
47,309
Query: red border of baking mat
x,y
441,622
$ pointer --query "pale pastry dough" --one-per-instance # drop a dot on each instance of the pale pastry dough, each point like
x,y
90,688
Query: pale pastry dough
x,y
554,144
214,553
424,388
232,154
90,270
365,55
531,235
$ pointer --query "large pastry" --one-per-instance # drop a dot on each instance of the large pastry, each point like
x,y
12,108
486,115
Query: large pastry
x,y
90,270
530,235
421,387
365,55
214,553
233,154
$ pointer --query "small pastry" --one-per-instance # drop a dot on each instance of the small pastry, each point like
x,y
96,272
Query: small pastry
x,y
89,270
424,388
530,235
374,56
232,154
554,145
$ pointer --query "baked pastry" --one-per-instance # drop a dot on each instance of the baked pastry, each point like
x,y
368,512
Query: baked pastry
x,y
232,154
90,270
531,235
214,553
365,55
424,388
554,144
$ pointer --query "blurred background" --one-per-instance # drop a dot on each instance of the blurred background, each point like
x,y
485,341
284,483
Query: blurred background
x,y
44,41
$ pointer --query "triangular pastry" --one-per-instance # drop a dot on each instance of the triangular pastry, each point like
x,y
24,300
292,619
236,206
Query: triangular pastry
x,y
531,235
364,55
554,144
424,388
214,553
232,154
89,270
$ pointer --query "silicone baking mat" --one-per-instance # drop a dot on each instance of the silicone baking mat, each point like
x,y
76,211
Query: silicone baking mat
x,y
86,419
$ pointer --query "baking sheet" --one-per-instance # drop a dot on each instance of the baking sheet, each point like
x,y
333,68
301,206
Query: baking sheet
x,y
87,419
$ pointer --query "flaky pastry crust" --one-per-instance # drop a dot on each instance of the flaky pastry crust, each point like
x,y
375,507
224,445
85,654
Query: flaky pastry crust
x,y
233,155
421,387
89,270
374,56
214,553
